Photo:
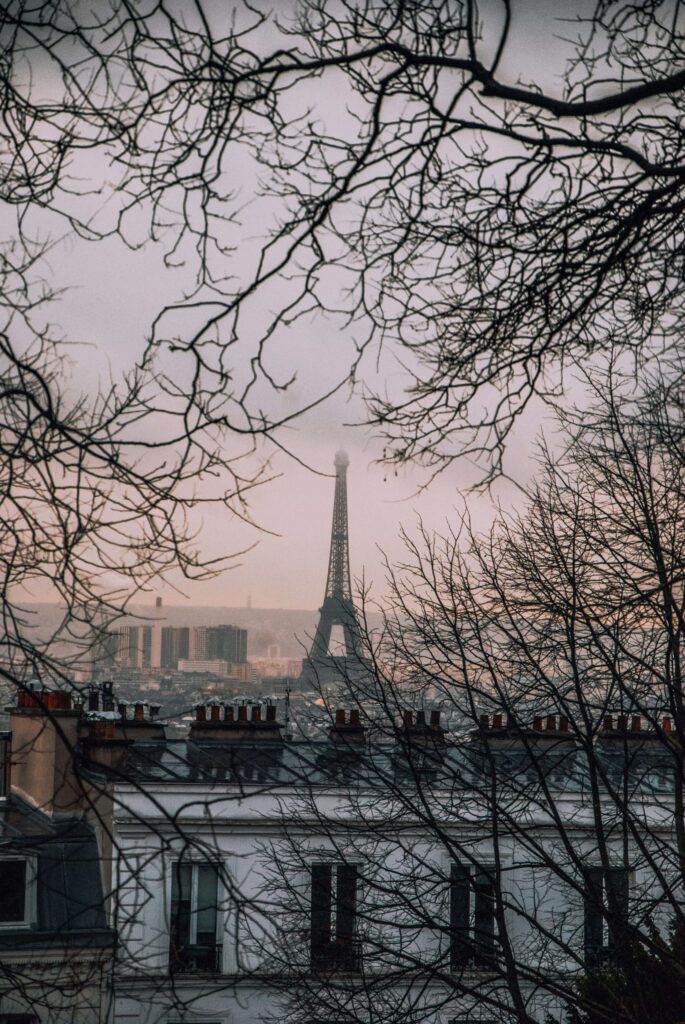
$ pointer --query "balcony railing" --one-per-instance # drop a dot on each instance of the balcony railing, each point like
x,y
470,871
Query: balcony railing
x,y
337,957
195,959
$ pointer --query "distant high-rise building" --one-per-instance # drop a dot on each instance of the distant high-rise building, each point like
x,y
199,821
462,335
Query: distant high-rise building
x,y
130,646
198,645
227,643
175,645
158,646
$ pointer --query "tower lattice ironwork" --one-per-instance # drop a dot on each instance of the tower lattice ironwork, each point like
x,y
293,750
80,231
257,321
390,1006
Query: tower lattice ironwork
x,y
337,608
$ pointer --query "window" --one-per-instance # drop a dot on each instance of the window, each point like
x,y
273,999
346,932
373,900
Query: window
x,y
194,918
15,892
472,916
606,910
334,917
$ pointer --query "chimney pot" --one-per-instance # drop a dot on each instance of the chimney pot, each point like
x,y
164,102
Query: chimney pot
x,y
608,723
551,723
421,717
408,717
354,717
563,723
636,723
139,711
93,700
229,714
484,721
511,721
496,721
242,713
271,713
622,723
201,713
340,716
537,723
256,713
215,713
435,719
667,724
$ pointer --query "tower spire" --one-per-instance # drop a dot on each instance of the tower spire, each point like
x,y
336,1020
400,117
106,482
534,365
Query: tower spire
x,y
337,608
338,580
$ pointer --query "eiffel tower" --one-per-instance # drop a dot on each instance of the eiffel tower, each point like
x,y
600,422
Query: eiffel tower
x,y
321,666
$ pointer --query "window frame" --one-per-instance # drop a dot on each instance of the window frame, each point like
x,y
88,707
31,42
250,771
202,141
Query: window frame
x,y
194,864
347,946
477,953
30,892
593,951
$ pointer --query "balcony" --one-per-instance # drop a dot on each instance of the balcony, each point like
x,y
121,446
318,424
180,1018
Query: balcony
x,y
337,957
195,959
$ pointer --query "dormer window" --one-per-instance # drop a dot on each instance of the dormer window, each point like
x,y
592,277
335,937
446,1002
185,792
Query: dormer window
x,y
16,889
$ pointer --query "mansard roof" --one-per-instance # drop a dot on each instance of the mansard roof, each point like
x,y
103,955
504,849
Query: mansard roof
x,y
65,870
464,764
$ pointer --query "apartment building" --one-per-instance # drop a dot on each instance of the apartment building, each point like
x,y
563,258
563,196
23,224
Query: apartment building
x,y
249,878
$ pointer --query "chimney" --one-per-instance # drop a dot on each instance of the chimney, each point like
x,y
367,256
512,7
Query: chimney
x,y
44,750
343,731
143,725
421,733
231,728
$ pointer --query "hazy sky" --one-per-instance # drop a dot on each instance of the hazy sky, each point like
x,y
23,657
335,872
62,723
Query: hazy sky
x,y
112,295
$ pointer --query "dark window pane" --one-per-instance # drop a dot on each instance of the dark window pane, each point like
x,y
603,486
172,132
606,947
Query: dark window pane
x,y
321,908
484,915
12,890
207,883
617,904
181,881
594,917
346,900
460,893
